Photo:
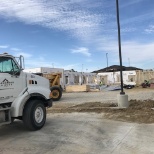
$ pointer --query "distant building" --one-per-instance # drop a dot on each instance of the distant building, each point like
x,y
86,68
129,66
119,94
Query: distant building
x,y
69,77
78,78
111,75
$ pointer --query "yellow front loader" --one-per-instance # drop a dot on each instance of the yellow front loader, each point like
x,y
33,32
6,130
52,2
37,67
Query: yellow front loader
x,y
55,87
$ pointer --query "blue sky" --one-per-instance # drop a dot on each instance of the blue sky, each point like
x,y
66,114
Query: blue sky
x,y
77,34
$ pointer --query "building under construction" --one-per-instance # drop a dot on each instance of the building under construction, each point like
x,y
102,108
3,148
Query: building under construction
x,y
111,75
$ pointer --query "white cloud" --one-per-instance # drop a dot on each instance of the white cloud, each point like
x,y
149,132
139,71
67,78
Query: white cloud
x,y
76,67
72,16
107,44
34,63
138,20
127,29
150,29
139,53
25,55
15,49
82,50
4,46
89,60
128,3
42,62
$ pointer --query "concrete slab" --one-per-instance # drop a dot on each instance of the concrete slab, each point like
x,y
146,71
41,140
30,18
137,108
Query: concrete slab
x,y
78,133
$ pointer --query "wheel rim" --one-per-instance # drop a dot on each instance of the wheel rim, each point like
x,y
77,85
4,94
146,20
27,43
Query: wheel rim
x,y
55,94
39,114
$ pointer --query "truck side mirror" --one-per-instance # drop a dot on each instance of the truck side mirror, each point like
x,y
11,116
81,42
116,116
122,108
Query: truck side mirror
x,y
22,64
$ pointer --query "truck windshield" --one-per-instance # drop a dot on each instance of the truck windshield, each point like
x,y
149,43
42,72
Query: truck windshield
x,y
7,65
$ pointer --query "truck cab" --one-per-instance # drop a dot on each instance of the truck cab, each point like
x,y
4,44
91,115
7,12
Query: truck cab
x,y
23,95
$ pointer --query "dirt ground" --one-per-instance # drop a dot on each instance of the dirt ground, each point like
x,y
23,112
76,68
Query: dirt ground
x,y
138,111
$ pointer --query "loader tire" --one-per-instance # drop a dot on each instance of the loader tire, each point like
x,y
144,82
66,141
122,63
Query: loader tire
x,y
34,115
56,93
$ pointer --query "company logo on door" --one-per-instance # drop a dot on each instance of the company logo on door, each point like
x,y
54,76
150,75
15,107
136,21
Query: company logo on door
x,y
6,83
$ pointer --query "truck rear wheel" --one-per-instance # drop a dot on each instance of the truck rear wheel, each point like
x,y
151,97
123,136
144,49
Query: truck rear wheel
x,y
34,115
56,93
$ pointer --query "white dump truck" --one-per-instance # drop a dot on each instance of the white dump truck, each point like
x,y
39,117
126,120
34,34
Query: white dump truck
x,y
23,96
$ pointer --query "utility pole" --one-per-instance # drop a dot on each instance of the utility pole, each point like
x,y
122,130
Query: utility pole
x,y
129,61
82,75
82,68
119,41
122,98
53,65
107,59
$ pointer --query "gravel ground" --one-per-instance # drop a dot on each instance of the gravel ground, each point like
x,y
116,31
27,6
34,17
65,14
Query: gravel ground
x,y
105,96
78,133
82,133
139,111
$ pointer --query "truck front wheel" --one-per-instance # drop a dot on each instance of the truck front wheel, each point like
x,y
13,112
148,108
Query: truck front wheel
x,y
34,115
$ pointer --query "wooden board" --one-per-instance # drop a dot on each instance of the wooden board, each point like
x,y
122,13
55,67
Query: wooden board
x,y
77,88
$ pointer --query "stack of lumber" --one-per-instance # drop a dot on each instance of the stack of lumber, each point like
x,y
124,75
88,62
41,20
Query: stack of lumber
x,y
77,88
151,83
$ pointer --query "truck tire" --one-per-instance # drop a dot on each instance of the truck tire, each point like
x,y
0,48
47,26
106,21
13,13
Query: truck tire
x,y
34,115
56,93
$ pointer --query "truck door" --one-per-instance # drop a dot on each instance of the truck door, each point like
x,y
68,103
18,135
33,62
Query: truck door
x,y
12,80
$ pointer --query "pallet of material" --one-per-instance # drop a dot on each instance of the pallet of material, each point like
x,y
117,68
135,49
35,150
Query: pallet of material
x,y
77,88
152,85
